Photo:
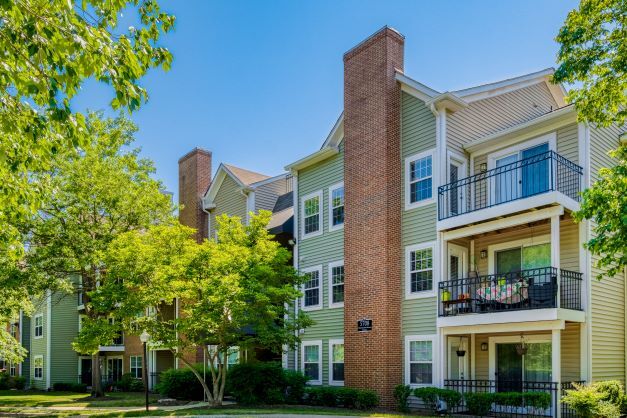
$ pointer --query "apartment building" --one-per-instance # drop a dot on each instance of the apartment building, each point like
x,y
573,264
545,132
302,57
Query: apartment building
x,y
437,235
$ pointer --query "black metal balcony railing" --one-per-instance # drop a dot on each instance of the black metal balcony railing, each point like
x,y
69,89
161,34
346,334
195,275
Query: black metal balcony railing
x,y
484,386
520,290
524,178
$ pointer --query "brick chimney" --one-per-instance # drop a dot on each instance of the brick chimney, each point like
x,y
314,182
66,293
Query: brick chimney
x,y
194,180
372,232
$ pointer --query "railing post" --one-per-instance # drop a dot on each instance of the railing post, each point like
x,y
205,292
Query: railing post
x,y
555,253
556,367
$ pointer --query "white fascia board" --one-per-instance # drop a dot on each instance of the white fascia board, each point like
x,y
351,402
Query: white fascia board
x,y
268,180
546,122
336,135
415,88
311,159
483,91
551,315
446,100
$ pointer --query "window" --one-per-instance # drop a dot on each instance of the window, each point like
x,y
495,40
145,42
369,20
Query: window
x,y
12,369
39,326
136,367
232,356
419,353
336,206
419,180
311,288
336,284
38,364
14,328
312,361
119,339
420,262
336,363
311,214
524,254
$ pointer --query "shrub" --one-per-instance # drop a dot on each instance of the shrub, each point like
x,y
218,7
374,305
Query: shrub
x,y
69,387
257,383
433,397
508,398
452,398
479,403
19,382
129,384
540,400
322,396
4,381
340,396
181,384
401,395
295,383
601,399
366,399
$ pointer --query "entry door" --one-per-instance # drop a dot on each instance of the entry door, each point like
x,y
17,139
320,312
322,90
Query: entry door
x,y
457,269
458,365
506,179
456,171
509,368
535,176
86,371
114,369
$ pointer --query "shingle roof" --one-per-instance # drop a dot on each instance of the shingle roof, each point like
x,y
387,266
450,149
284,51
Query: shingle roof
x,y
247,177
283,202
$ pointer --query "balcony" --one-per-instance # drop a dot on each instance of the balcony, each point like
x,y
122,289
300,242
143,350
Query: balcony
x,y
542,179
531,289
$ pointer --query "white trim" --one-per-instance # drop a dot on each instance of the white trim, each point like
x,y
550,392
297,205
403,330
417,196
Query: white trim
x,y
511,339
330,287
503,86
320,290
35,336
337,133
313,158
269,180
250,205
48,335
433,338
434,178
508,318
519,243
332,342
415,88
317,343
319,195
550,138
464,261
434,268
331,189
516,327
43,367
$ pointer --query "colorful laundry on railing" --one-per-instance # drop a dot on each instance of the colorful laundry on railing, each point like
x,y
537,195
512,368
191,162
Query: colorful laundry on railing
x,y
504,293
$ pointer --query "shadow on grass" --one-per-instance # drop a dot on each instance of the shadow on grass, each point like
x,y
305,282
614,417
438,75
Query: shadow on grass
x,y
32,398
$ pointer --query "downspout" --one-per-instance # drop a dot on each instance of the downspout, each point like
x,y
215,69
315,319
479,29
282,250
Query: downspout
x,y
295,254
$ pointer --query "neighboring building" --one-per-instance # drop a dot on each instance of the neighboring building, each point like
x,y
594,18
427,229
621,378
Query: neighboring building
x,y
437,233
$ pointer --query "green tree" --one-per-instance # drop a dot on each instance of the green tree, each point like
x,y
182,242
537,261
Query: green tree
x,y
48,49
593,53
235,291
593,57
103,191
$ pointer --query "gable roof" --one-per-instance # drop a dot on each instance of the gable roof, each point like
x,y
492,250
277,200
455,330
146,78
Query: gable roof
x,y
245,177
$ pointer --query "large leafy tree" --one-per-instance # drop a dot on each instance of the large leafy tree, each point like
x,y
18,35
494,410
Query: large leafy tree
x,y
48,48
234,291
103,191
593,56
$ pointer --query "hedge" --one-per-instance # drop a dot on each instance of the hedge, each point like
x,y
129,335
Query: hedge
x,y
182,384
69,387
341,397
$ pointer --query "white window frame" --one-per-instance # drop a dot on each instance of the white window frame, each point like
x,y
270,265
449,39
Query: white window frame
x,y
332,188
434,184
35,358
12,369
330,287
303,199
433,338
13,329
131,368
35,336
320,290
435,264
509,245
336,341
316,343
460,161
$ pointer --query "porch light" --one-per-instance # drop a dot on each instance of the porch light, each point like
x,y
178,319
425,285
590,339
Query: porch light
x,y
484,254
483,167
484,346
522,347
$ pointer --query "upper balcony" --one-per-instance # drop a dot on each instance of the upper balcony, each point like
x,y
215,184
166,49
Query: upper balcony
x,y
512,186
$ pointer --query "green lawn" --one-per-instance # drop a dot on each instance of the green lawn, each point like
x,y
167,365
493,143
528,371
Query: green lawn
x,y
237,410
37,398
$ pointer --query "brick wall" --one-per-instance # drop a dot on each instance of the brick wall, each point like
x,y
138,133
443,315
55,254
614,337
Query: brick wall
x,y
194,180
372,237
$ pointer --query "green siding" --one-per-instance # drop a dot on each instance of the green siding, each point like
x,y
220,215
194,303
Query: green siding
x,y
322,250
419,224
39,345
228,200
25,330
64,360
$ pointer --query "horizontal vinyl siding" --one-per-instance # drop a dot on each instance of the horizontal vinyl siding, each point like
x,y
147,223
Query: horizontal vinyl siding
x,y
494,114
25,329
571,343
229,200
64,360
266,195
568,142
321,250
608,295
417,126
39,345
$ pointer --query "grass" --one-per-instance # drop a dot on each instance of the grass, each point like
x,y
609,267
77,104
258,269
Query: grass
x,y
38,398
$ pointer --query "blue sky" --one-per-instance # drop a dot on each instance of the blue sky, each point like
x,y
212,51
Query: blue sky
x,y
260,83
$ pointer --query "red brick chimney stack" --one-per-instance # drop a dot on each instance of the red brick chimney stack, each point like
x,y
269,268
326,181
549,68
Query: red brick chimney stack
x,y
194,180
372,233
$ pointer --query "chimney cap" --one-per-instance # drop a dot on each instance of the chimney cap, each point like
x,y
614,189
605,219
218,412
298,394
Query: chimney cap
x,y
385,28
196,150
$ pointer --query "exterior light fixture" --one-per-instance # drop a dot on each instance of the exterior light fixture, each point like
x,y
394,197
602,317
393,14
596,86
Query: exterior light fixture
x,y
483,167
484,254
522,347
484,346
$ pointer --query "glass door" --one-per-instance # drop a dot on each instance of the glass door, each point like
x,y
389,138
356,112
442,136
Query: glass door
x,y
114,369
535,175
506,179
508,261
509,368
86,371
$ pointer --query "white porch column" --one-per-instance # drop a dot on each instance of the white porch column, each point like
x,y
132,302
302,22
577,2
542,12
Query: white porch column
x,y
473,349
556,365
555,252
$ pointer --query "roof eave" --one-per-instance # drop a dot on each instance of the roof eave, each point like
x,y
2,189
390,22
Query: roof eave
x,y
312,159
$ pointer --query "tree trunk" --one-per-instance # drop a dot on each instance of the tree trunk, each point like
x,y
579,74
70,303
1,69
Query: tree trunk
x,y
96,380
201,380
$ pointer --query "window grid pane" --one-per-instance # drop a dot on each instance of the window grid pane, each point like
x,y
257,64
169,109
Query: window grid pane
x,y
311,357
421,270
337,204
312,212
337,280
312,289
420,179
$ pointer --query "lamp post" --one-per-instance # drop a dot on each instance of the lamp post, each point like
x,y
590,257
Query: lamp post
x,y
144,338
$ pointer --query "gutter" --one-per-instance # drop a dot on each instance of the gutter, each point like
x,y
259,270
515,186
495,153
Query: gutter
x,y
311,159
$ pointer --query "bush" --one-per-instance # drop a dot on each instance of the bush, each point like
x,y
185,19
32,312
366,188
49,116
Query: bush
x,y
257,383
540,400
339,396
601,399
19,382
4,381
432,397
129,384
181,384
295,383
69,387
401,395
507,398
479,403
